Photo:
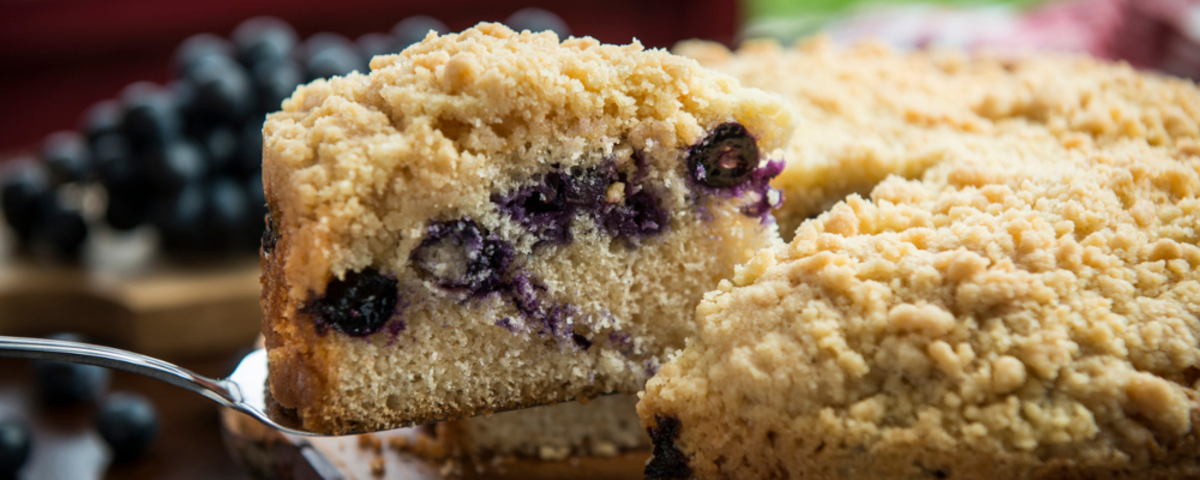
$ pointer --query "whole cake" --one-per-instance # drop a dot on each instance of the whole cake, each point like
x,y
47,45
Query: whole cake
x,y
1026,305
490,220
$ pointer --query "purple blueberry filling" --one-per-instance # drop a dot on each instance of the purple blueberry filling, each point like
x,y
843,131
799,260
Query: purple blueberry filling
x,y
668,461
726,162
548,318
548,207
357,305
459,256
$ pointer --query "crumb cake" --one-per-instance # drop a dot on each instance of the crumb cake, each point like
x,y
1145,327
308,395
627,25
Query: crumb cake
x,y
870,112
1025,306
604,427
491,220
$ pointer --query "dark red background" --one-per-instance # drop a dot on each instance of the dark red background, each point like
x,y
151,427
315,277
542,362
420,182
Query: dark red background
x,y
57,57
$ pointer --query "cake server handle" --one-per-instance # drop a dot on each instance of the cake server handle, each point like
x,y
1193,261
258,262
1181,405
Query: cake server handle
x,y
244,390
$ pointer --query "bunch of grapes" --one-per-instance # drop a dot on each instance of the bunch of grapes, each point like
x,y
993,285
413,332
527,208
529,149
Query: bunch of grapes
x,y
186,157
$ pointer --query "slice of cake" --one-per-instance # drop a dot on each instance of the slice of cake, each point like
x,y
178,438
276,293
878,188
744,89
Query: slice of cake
x,y
1027,307
491,220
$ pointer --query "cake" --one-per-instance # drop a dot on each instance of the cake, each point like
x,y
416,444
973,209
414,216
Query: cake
x,y
492,220
1025,304
870,112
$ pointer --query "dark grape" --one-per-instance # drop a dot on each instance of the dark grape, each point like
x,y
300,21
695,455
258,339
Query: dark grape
x,y
197,47
276,80
250,149
15,444
180,218
61,383
116,166
538,20
263,38
413,29
66,156
373,44
101,118
178,164
126,209
228,216
221,144
63,232
128,423
27,197
223,89
151,116
328,55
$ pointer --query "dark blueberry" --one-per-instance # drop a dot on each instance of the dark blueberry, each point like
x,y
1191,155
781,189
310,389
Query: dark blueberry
x,y
725,158
250,147
171,167
128,423
270,234
228,213
223,89
276,80
15,444
221,144
641,216
101,118
543,208
28,198
328,55
66,156
668,461
359,304
116,166
197,47
263,38
180,218
414,29
538,20
127,208
373,44
151,116
459,256
63,232
61,384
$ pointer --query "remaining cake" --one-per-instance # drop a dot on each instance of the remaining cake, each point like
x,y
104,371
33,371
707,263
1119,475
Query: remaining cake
x,y
1027,307
870,112
491,220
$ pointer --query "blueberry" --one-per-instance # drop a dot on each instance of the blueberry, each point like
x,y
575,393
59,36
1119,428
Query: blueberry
x,y
128,423
66,156
116,166
180,218
459,256
228,215
15,443
250,147
197,47
373,44
725,158
414,29
263,38
668,461
60,383
27,198
223,89
221,144
126,209
543,208
171,167
358,305
151,116
101,118
641,216
63,232
328,55
276,80
538,20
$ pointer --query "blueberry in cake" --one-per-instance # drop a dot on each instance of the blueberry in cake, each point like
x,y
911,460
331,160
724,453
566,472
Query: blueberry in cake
x,y
1027,306
491,220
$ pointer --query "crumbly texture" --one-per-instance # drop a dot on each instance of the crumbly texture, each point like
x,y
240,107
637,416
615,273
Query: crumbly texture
x,y
1027,306
870,113
491,220
604,427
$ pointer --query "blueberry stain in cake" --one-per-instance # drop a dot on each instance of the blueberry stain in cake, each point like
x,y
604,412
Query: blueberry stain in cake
x,y
641,215
358,305
726,163
668,461
548,318
460,256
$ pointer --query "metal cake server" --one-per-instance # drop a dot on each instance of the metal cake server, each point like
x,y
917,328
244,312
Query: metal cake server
x,y
244,390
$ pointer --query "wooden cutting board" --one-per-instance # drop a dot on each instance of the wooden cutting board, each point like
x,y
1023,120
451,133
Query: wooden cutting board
x,y
125,292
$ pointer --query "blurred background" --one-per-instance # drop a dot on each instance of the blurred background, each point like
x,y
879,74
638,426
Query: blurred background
x,y
130,155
